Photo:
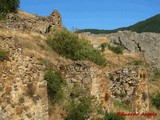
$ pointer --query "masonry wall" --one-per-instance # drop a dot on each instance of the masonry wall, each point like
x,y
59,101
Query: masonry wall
x,y
88,76
130,85
23,90
32,24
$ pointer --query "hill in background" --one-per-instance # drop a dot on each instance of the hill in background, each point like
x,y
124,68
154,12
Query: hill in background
x,y
149,25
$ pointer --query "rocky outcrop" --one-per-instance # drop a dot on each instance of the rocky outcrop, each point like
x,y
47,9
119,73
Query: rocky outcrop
x,y
32,24
23,90
130,85
139,42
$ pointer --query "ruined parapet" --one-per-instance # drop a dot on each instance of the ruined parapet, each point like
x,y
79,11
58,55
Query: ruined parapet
x,y
141,97
56,19
89,77
130,85
100,87
32,23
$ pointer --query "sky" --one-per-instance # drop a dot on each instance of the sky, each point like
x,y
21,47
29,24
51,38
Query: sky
x,y
95,14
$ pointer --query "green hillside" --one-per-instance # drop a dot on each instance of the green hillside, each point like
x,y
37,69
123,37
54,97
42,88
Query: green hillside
x,y
149,25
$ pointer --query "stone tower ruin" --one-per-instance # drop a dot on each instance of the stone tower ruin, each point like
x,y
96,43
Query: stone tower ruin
x,y
56,18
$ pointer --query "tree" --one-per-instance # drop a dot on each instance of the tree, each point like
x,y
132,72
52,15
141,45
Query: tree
x,y
8,6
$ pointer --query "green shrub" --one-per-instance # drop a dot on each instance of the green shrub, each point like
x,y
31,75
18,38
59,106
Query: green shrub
x,y
103,46
113,116
156,101
69,45
80,110
2,17
77,92
55,83
3,55
121,105
7,6
116,49
156,74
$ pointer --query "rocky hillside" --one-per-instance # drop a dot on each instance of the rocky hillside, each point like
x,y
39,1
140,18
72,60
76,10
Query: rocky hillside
x,y
40,84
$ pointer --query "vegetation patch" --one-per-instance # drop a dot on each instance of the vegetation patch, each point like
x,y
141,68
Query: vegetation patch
x,y
77,92
8,6
3,55
137,63
156,100
156,74
113,116
121,105
80,110
69,45
103,46
55,84
116,49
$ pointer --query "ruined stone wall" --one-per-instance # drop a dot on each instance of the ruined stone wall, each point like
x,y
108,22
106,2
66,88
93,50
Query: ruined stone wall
x,y
56,19
141,97
23,90
32,24
130,85
89,77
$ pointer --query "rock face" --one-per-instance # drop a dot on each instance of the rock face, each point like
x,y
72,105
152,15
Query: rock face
x,y
90,78
130,85
139,42
34,23
23,90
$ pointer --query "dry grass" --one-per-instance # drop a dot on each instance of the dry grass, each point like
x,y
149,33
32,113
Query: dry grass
x,y
35,44
116,61
26,15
